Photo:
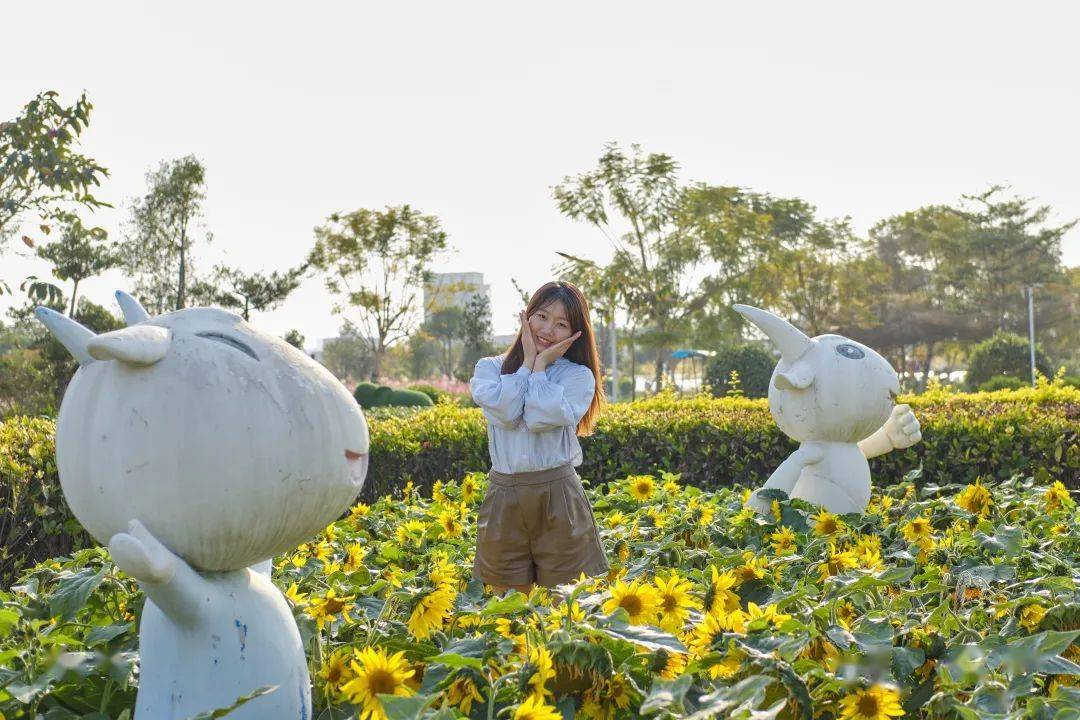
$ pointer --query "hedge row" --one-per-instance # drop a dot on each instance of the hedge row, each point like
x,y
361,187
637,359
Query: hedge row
x,y
712,441
722,441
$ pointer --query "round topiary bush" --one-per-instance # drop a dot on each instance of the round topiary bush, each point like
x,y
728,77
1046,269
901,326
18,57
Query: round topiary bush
x,y
753,365
370,395
1004,355
365,394
405,398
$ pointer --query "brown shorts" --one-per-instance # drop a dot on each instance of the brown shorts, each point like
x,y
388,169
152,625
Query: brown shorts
x,y
536,527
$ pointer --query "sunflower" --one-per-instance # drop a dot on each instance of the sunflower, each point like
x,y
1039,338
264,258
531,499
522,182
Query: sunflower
x,y
918,529
700,639
463,692
359,510
753,568
443,571
730,665
719,596
326,608
674,665
846,614
618,691
470,489
543,669
877,703
335,672
638,599
294,594
769,614
431,612
674,601
376,673
1031,616
451,523
564,614
641,487
838,562
354,557
826,524
437,493
1057,497
616,519
783,541
534,708
975,499
410,531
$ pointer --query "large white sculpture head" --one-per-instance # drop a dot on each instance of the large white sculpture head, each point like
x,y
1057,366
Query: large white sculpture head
x,y
827,388
228,444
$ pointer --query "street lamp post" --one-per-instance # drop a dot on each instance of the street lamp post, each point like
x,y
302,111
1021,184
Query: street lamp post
x,y
1031,327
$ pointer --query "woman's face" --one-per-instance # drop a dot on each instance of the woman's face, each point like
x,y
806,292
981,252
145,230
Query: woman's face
x,y
550,325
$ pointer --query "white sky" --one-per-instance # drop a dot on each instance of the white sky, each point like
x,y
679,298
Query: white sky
x,y
471,111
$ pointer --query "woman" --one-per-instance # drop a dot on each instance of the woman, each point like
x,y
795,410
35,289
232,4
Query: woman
x,y
535,524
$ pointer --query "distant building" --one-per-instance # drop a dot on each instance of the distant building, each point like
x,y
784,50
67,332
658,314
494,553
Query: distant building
x,y
453,290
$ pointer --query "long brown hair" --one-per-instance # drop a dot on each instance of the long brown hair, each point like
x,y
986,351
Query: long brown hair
x,y
582,351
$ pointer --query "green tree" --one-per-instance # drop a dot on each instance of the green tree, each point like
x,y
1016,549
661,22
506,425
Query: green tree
x,y
422,355
642,195
753,365
158,249
41,171
1004,355
295,338
78,254
1008,246
235,289
375,261
348,356
476,334
445,325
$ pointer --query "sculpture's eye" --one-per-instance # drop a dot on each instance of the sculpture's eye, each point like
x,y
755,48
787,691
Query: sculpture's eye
x,y
230,341
850,351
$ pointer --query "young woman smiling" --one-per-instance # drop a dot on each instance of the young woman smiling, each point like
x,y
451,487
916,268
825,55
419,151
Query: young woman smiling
x,y
535,524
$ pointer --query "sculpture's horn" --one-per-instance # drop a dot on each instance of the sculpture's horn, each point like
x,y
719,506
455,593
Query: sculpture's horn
x,y
133,311
71,334
138,344
789,340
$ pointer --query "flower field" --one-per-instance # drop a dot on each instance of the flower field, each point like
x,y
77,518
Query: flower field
x,y
943,601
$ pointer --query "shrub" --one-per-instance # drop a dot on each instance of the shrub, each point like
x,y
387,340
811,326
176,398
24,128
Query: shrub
x,y
716,442
35,521
365,393
753,365
1004,355
1002,382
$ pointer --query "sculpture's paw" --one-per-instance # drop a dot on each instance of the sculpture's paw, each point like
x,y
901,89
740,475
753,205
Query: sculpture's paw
x,y
903,427
140,555
762,505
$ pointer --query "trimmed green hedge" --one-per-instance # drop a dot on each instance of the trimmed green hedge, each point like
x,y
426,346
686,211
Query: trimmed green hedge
x,y
713,442
721,441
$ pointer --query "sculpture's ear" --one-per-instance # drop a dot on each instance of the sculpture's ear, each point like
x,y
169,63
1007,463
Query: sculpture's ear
x,y
798,377
69,333
138,344
133,311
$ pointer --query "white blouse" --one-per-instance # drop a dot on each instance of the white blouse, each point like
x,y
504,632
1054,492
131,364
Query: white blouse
x,y
532,416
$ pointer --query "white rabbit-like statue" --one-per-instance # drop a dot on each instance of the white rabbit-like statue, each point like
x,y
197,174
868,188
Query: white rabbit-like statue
x,y
836,397
196,446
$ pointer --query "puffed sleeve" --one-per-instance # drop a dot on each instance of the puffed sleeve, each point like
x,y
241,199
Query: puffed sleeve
x,y
550,404
501,397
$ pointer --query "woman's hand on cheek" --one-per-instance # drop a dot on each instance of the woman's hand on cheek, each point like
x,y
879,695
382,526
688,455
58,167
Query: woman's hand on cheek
x,y
528,342
553,353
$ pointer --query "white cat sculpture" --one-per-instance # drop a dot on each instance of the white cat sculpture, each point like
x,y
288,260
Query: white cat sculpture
x,y
835,396
196,446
